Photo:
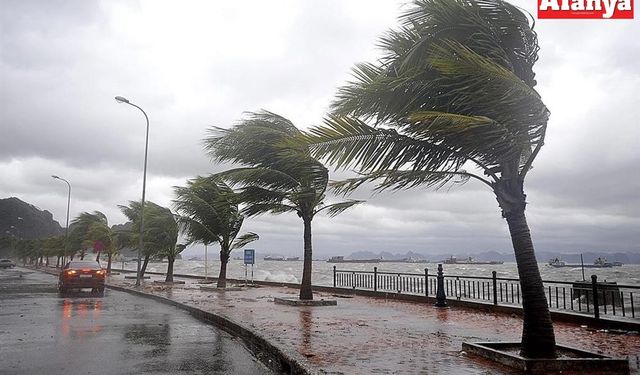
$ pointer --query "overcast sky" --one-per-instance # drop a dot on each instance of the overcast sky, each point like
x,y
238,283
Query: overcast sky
x,y
196,64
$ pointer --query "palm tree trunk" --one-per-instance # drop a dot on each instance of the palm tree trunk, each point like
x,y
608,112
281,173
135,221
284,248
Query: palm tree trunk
x,y
538,339
143,269
305,289
224,260
98,257
58,262
109,255
169,277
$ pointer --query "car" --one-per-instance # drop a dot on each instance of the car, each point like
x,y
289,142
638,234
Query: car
x,y
7,263
80,274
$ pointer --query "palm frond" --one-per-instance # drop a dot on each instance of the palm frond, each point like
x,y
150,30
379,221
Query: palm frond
x,y
345,141
337,208
266,178
400,180
256,209
244,239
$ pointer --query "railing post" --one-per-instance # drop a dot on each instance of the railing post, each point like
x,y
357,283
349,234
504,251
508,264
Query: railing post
x,y
494,276
334,276
375,279
594,287
441,298
426,282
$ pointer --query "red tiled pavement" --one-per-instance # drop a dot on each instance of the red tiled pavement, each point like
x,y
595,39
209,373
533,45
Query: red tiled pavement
x,y
364,335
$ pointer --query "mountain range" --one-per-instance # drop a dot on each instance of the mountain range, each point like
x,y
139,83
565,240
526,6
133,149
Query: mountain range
x,y
23,220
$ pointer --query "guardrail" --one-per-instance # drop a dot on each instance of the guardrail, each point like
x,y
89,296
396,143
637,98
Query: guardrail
x,y
585,297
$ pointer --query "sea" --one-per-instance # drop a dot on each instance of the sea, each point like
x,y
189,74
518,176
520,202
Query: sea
x,y
322,271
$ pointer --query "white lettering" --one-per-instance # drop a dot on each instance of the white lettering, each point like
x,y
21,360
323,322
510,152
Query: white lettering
x,y
593,5
609,8
577,5
624,5
545,4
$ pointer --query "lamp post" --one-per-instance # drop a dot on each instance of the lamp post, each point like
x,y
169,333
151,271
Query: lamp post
x,y
120,99
66,228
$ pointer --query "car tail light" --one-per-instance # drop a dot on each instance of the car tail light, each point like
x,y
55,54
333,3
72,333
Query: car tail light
x,y
101,272
70,272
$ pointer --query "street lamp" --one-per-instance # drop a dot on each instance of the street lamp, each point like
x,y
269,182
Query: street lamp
x,y
66,229
120,99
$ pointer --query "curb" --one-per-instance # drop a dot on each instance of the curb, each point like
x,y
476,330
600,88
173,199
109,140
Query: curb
x,y
270,355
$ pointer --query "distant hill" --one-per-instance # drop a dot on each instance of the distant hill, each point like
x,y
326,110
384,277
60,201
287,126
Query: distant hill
x,y
26,221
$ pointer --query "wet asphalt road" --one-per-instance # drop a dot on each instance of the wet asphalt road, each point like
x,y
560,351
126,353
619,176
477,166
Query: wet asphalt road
x,y
42,333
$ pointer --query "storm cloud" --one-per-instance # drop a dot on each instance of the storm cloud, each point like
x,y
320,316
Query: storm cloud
x,y
196,64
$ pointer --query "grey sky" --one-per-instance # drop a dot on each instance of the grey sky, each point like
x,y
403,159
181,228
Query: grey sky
x,y
194,64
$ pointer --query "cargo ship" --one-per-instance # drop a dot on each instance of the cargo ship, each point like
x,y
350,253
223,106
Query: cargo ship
x,y
340,259
470,260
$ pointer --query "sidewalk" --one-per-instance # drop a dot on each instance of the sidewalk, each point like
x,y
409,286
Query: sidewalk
x,y
364,335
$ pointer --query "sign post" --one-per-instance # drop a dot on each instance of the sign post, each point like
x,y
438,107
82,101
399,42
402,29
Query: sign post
x,y
249,258
205,263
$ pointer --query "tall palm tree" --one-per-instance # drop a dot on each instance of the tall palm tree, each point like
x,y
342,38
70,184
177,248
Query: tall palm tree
x,y
160,232
209,214
452,99
277,176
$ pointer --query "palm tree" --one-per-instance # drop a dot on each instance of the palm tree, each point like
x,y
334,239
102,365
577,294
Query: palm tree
x,y
161,235
451,100
160,232
209,214
79,237
122,238
277,176
171,255
103,240
53,245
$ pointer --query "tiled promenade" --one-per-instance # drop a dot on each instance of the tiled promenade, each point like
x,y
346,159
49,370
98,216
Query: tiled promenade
x,y
364,335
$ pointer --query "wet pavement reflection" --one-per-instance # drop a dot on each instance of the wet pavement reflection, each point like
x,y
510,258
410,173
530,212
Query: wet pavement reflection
x,y
43,333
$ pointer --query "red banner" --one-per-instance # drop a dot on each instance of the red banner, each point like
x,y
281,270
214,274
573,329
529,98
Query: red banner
x,y
586,9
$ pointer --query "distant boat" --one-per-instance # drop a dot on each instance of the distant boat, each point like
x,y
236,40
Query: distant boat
x,y
293,259
277,258
556,262
470,260
599,263
340,259
194,258
404,260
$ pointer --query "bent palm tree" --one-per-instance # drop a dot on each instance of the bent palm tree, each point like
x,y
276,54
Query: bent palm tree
x,y
209,214
160,232
81,226
277,177
451,100
101,237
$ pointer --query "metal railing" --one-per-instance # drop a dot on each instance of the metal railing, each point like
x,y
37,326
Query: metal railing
x,y
585,297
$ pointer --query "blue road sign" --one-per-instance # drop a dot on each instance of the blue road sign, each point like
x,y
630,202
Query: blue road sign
x,y
249,256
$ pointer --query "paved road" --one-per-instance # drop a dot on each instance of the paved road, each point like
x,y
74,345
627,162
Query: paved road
x,y
41,333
